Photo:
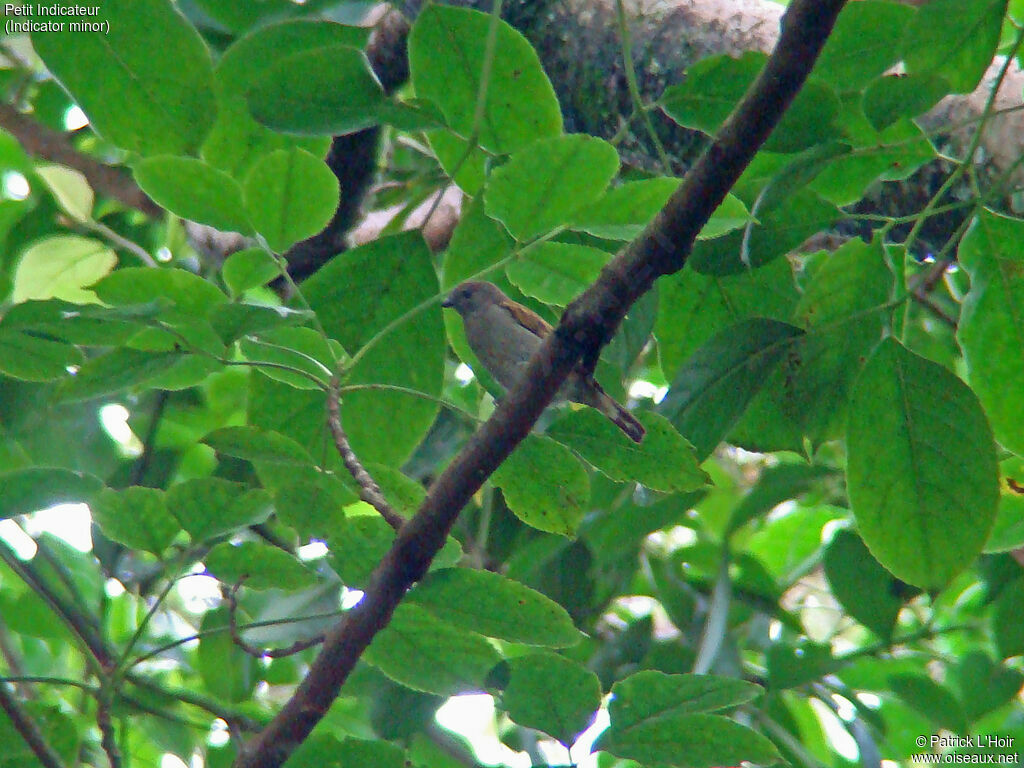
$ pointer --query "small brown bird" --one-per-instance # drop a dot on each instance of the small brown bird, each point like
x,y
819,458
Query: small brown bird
x,y
504,335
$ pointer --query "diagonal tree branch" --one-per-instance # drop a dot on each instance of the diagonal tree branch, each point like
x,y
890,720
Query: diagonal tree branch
x,y
586,325
40,141
29,730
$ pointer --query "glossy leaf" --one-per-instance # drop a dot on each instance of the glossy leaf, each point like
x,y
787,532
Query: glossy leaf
x,y
544,485
493,605
710,392
427,654
844,311
34,488
863,44
447,47
543,185
991,328
556,273
23,356
59,267
664,461
210,506
257,566
694,307
552,694
136,517
256,444
865,589
321,91
922,473
193,190
135,105
955,39
290,195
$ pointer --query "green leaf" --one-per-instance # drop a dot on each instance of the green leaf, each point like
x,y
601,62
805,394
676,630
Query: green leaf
x,y
922,474
955,39
70,188
290,195
193,296
664,461
544,485
891,153
623,211
991,328
233,321
543,185
357,544
776,484
427,654
116,371
356,296
711,90
867,591
328,752
648,695
891,97
59,267
556,273
1007,628
248,268
31,358
237,140
863,44
193,190
492,605
712,389
447,47
552,694
298,357
844,311
688,741
772,236
34,488
729,215
227,671
257,566
791,665
322,91
694,307
1008,529
714,85
314,507
209,506
136,517
137,104
934,701
984,685
257,444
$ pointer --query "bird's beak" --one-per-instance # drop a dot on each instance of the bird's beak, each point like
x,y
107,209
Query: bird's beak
x,y
448,303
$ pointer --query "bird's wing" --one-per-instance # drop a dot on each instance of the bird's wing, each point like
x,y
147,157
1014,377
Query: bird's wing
x,y
527,318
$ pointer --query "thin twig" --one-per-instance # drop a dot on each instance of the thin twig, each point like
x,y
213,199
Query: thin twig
x,y
260,653
369,491
634,88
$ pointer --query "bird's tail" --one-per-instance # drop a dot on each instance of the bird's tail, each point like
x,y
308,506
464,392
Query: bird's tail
x,y
619,416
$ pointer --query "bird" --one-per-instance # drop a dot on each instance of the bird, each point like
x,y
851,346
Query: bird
x,y
504,334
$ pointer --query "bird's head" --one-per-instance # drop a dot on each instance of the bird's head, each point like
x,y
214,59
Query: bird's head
x,y
473,295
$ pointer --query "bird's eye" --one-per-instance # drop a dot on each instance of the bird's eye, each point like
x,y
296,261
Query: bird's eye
x,y
465,293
